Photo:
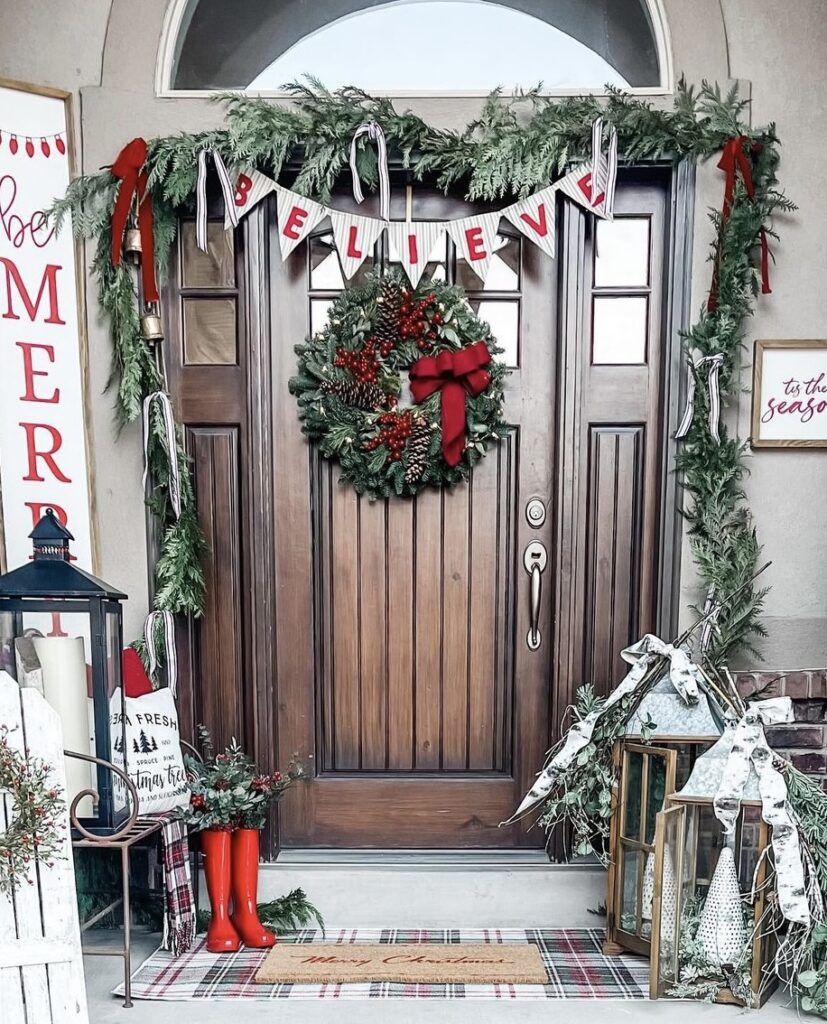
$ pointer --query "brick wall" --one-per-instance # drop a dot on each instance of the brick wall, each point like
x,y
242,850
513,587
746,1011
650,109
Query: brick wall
x,y
804,742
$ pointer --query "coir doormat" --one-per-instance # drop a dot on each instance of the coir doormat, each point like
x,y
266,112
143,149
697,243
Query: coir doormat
x,y
574,963
419,963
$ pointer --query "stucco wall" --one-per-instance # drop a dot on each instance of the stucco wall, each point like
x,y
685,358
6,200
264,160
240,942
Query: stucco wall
x,y
109,56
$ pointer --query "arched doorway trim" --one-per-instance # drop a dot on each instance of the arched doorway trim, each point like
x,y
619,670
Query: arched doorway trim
x,y
179,13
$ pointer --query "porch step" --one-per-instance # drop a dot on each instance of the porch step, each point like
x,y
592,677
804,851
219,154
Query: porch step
x,y
435,889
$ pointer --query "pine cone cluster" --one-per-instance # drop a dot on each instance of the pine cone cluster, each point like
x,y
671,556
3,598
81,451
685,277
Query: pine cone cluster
x,y
359,394
419,446
388,313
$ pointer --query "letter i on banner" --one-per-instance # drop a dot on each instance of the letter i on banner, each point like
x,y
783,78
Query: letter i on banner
x,y
297,218
412,243
250,188
355,238
534,216
476,240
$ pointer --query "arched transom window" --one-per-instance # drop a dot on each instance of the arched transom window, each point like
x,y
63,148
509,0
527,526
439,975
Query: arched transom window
x,y
417,46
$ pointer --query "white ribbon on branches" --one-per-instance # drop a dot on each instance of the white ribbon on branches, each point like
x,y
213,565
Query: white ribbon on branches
x,y
712,610
227,190
715,363
373,130
171,441
683,674
166,620
751,750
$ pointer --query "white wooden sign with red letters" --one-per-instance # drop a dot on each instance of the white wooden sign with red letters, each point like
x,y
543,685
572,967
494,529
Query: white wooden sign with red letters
x,y
43,449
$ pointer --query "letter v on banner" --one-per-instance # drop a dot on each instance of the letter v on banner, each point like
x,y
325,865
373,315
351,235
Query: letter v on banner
x,y
412,243
355,238
297,218
534,216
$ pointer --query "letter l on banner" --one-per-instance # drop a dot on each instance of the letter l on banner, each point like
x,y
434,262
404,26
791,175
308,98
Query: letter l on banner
x,y
355,238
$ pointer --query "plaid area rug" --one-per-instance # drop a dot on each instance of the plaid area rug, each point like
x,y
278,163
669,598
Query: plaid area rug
x,y
577,969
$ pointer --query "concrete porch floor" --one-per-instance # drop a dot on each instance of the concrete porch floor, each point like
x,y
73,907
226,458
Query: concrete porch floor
x,y
397,890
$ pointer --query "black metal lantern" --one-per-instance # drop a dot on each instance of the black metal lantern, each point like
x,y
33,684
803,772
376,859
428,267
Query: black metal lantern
x,y
41,600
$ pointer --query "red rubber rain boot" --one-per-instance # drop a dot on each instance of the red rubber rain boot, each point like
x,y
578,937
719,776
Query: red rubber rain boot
x,y
221,935
245,887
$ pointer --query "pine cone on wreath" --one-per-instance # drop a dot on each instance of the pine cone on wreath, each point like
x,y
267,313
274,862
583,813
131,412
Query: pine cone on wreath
x,y
357,393
388,312
419,446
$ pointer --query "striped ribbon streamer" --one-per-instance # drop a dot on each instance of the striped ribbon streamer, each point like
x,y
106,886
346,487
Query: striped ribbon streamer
x,y
174,483
750,750
604,167
373,130
711,612
611,176
713,383
227,191
170,656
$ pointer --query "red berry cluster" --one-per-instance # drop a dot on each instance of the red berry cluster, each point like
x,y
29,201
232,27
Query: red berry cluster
x,y
396,429
419,320
362,363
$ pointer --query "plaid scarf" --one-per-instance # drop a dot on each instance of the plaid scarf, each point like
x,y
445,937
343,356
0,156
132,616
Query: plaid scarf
x,y
179,909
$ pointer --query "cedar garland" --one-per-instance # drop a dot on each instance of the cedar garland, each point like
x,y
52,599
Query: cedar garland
x,y
516,146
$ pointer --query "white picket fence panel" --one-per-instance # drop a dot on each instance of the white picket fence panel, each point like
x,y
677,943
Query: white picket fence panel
x,y
41,965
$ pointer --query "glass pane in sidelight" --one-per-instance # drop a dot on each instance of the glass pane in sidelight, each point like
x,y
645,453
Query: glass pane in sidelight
x,y
619,329
214,268
325,270
319,308
621,257
210,332
503,317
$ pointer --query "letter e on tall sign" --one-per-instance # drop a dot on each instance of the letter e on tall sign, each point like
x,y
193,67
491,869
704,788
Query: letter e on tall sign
x,y
43,449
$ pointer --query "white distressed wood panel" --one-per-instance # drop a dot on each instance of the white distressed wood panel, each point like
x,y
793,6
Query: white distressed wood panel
x,y
45,911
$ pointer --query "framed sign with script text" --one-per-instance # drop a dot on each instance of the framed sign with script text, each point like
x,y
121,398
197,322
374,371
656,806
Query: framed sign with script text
x,y
789,394
44,458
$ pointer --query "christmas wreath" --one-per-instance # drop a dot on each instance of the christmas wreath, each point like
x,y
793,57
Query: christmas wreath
x,y
351,375
35,828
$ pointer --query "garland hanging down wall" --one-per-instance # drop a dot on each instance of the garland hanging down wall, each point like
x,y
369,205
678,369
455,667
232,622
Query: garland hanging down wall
x,y
518,146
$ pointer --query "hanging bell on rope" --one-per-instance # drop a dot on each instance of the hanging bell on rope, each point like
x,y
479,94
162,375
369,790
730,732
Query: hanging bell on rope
x,y
132,247
151,330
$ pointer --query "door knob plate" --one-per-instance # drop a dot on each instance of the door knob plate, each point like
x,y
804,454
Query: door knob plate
x,y
535,555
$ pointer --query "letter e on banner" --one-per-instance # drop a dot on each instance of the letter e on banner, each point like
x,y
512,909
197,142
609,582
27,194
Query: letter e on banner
x,y
476,240
297,218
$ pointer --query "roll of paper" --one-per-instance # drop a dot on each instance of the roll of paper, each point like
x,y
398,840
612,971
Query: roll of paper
x,y
63,661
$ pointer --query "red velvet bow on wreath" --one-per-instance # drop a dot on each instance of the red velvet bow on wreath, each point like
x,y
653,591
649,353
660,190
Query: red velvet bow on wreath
x,y
129,167
455,374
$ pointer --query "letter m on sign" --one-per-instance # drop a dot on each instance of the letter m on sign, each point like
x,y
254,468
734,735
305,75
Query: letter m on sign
x,y
16,286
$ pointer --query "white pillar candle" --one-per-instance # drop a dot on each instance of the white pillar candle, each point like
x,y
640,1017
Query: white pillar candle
x,y
63,661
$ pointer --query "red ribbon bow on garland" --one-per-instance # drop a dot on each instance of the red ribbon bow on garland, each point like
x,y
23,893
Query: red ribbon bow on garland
x,y
456,374
733,159
129,167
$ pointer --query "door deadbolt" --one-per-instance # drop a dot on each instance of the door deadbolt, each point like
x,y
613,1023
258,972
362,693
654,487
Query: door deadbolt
x,y
535,513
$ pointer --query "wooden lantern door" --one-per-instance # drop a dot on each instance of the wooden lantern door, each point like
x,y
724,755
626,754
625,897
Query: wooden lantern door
x,y
386,642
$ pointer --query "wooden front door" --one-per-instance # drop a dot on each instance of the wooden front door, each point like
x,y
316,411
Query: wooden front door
x,y
386,642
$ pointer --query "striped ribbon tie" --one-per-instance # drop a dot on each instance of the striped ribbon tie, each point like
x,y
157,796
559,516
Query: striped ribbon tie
x,y
604,166
713,383
373,130
227,191
171,440
170,657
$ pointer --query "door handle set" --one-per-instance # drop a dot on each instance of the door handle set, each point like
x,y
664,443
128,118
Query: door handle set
x,y
535,560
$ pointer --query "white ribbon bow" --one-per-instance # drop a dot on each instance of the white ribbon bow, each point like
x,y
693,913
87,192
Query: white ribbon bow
x,y
683,674
227,190
171,443
715,362
374,132
170,654
750,749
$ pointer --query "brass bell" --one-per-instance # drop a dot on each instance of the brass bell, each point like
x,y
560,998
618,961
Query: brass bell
x,y
151,330
132,247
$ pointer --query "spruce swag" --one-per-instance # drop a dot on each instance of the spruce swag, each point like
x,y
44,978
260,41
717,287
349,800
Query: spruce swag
x,y
517,145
